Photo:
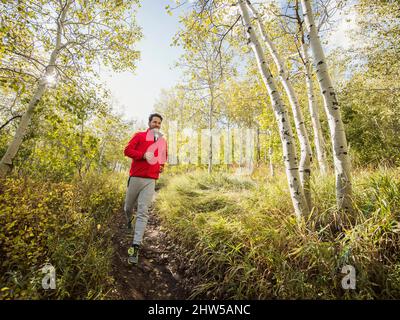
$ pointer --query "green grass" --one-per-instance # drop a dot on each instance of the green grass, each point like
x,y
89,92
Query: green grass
x,y
241,238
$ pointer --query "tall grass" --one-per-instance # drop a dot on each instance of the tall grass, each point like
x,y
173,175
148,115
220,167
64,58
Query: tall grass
x,y
64,224
241,238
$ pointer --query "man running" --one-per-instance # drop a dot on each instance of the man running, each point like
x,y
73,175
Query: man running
x,y
148,150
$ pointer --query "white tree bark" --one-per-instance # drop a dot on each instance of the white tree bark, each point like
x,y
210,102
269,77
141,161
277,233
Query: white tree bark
x,y
210,151
7,160
210,118
258,146
338,136
271,165
313,107
305,148
282,118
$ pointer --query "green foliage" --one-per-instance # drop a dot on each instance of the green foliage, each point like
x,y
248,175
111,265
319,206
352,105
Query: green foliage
x,y
57,223
372,121
72,133
57,206
370,95
239,235
243,241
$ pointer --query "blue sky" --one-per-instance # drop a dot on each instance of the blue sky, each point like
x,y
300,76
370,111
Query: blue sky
x,y
135,94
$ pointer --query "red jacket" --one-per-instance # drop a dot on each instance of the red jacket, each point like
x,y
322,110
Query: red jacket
x,y
141,143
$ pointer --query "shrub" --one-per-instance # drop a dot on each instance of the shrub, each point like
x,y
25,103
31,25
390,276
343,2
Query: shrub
x,y
64,224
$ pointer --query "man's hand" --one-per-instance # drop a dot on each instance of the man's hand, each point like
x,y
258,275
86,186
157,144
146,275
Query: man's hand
x,y
161,169
148,156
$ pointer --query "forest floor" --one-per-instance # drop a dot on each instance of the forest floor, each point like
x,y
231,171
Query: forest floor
x,y
156,277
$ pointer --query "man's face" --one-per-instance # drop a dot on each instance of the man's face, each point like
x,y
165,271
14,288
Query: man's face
x,y
155,123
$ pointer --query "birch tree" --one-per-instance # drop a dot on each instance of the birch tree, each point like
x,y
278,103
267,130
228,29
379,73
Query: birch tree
x,y
281,115
207,65
312,103
75,35
6,161
284,76
338,137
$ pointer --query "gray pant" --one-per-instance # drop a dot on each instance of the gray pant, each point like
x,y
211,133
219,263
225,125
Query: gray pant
x,y
140,192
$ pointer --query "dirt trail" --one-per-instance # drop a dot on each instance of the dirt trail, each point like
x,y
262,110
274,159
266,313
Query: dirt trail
x,y
156,276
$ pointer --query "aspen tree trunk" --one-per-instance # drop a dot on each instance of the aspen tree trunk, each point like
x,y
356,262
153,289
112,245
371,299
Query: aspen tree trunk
x,y
210,144
210,155
313,107
282,117
338,136
265,157
305,148
271,165
258,146
270,152
7,160
312,103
